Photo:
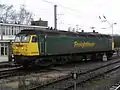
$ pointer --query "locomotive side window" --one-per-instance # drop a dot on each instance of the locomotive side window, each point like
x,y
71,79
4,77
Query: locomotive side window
x,y
34,39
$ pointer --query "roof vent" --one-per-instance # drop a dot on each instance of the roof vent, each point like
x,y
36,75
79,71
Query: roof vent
x,y
93,31
82,31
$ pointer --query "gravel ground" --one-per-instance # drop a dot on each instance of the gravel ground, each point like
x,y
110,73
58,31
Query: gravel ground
x,y
81,67
103,82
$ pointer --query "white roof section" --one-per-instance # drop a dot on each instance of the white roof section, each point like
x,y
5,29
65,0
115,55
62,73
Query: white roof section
x,y
7,37
21,25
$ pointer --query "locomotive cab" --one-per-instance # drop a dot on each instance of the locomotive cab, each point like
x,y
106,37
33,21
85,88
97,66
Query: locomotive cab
x,y
25,46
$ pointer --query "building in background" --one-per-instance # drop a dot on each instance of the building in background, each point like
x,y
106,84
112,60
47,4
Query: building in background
x,y
40,23
8,32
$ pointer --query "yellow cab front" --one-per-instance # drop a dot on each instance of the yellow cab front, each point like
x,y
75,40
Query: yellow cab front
x,y
25,45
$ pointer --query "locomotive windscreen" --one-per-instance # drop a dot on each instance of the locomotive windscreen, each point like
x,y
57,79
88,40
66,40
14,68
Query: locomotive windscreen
x,y
22,38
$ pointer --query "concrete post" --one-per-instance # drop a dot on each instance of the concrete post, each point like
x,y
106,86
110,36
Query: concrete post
x,y
104,57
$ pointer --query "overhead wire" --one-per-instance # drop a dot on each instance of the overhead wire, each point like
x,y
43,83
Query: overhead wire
x,y
71,9
59,5
68,8
62,6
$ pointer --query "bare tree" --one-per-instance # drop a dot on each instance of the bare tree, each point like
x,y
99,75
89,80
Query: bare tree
x,y
24,16
5,13
9,15
13,17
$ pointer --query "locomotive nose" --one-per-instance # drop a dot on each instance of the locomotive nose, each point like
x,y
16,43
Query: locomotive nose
x,y
20,49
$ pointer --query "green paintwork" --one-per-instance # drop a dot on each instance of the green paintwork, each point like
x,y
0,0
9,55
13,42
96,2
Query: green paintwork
x,y
65,45
117,41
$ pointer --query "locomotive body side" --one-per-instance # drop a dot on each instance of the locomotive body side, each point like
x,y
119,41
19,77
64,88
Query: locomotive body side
x,y
116,43
82,44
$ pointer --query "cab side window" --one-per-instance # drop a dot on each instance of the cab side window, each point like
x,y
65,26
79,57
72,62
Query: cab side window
x,y
34,39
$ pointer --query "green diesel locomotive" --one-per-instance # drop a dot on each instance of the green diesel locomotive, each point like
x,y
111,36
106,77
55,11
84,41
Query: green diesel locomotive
x,y
46,47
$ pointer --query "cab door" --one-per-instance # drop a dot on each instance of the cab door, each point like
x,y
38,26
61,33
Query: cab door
x,y
42,45
33,46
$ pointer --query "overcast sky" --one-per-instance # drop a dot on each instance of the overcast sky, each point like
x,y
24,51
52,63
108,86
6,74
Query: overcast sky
x,y
85,13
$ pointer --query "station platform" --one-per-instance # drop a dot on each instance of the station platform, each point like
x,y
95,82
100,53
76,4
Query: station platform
x,y
3,59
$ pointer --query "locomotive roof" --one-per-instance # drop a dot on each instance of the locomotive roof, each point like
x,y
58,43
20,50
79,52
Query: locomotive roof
x,y
56,32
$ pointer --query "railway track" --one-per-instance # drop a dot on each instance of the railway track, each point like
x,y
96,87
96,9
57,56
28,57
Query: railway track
x,y
8,72
66,81
8,64
82,77
116,86
11,69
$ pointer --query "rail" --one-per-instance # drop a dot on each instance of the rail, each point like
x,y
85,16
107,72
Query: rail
x,y
81,77
7,72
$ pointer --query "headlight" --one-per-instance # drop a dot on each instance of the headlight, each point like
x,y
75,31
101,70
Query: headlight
x,y
16,48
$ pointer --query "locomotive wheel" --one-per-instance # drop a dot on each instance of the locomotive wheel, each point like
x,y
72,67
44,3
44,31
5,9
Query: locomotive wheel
x,y
61,60
43,62
84,58
109,56
93,57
